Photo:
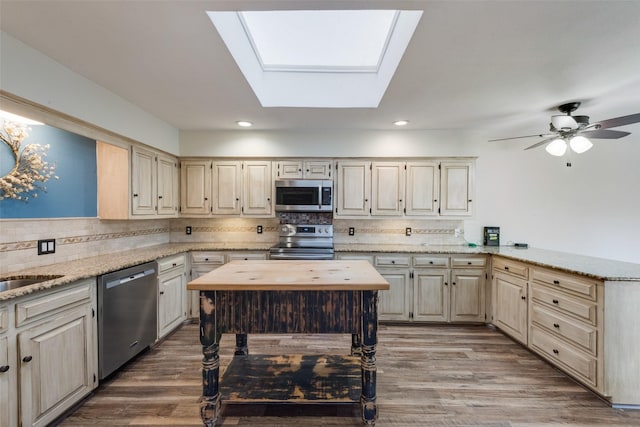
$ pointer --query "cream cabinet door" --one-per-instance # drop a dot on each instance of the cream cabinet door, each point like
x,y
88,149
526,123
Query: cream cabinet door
x,y
353,188
257,188
387,188
467,295
422,188
456,188
227,178
393,304
317,169
8,398
168,181
289,169
510,305
143,181
195,187
56,365
172,301
431,295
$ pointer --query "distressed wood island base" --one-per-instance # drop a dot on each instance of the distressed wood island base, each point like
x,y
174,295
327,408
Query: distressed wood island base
x,y
260,297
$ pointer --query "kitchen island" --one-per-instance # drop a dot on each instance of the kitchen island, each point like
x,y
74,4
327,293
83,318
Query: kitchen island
x,y
244,297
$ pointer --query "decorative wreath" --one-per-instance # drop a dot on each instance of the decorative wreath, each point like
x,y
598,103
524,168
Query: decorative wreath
x,y
29,170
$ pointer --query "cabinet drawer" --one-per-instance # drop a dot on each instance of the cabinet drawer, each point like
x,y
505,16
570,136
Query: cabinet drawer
x,y
580,334
43,306
468,261
570,359
246,256
584,310
579,285
4,319
392,261
356,257
165,264
512,267
207,257
430,261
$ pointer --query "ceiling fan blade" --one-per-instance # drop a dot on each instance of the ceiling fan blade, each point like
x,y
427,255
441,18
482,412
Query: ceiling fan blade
x,y
520,137
562,122
604,134
619,121
544,141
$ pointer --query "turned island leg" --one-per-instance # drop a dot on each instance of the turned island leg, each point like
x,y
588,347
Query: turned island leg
x,y
242,348
368,359
210,404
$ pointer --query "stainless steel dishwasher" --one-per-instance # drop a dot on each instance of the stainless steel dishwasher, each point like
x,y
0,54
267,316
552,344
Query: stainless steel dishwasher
x,y
127,315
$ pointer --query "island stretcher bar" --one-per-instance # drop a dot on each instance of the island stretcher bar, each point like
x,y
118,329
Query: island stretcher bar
x,y
289,296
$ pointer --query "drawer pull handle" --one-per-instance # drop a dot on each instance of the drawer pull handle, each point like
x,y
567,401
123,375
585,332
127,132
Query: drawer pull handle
x,y
175,263
556,351
523,298
556,282
161,292
555,301
468,262
555,325
506,268
431,262
4,369
206,259
27,359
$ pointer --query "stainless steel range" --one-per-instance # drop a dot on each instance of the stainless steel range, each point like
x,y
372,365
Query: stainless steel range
x,y
304,241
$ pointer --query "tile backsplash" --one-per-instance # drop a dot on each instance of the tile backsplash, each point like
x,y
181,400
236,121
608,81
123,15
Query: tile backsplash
x,y
82,237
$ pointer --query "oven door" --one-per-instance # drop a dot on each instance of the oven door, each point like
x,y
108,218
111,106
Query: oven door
x,y
301,253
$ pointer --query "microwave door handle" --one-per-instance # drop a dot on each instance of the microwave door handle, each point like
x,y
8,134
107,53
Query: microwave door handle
x,y
320,196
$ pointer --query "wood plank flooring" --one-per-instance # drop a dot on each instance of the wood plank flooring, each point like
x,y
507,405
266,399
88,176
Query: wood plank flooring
x,y
428,375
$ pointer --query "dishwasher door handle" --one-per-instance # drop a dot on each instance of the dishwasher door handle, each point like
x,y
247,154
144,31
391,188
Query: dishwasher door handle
x,y
131,278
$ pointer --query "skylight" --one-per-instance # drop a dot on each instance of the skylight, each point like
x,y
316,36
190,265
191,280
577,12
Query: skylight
x,y
322,58
322,40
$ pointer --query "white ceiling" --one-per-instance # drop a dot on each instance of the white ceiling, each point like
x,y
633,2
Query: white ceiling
x,y
496,67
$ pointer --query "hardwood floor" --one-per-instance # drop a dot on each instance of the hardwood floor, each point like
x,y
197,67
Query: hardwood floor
x,y
427,376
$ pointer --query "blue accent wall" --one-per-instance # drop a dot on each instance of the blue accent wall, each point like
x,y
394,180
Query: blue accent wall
x,y
74,193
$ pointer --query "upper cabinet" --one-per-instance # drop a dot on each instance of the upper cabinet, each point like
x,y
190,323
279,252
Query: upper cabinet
x,y
428,188
304,169
226,188
154,183
140,183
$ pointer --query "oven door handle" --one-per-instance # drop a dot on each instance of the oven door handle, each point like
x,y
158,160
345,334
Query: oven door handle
x,y
304,257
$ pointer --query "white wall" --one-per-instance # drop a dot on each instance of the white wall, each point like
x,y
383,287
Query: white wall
x,y
591,208
29,74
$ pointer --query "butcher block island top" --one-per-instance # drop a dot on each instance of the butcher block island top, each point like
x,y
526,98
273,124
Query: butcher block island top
x,y
292,275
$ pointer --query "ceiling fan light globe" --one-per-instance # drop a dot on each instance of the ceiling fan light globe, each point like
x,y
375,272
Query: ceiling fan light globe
x,y
580,144
564,122
557,147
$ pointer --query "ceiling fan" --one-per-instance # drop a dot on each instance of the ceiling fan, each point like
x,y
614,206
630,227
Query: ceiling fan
x,y
576,130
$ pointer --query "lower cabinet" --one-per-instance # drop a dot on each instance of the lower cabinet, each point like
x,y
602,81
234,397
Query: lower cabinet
x,y
172,293
48,357
510,298
430,288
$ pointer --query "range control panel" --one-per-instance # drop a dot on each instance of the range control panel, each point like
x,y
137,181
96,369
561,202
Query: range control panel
x,y
306,230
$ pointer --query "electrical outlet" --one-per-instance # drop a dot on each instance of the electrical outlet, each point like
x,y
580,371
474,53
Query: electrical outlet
x,y
259,229
188,229
407,231
457,232
46,246
352,231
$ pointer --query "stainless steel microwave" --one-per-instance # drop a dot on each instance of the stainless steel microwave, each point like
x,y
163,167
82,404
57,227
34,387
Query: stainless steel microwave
x,y
304,195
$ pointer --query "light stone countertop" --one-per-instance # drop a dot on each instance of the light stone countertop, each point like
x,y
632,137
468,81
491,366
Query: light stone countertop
x,y
72,271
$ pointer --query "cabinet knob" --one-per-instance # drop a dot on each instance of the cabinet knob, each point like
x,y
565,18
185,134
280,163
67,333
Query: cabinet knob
x,y
161,292
453,283
159,197
435,200
506,268
556,282
468,262
4,369
446,284
555,301
206,198
393,261
431,262
135,195
27,359
555,325
556,351
523,297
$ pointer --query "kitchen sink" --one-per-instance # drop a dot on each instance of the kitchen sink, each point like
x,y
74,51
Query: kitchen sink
x,y
9,283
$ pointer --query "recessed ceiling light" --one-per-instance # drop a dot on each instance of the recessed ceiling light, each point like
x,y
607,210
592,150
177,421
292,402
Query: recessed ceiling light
x,y
244,124
401,122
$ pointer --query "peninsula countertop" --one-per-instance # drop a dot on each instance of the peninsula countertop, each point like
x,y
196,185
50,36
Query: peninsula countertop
x,y
71,271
